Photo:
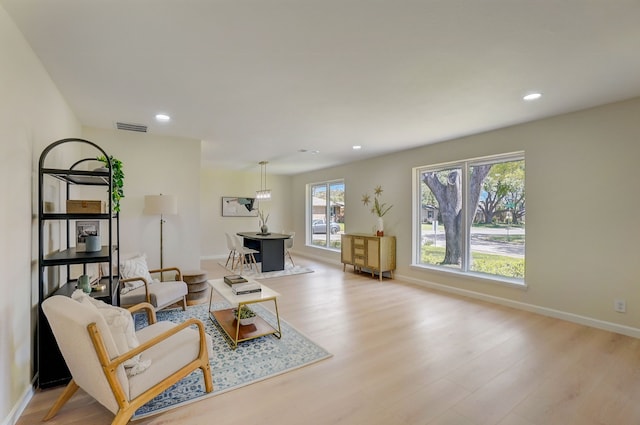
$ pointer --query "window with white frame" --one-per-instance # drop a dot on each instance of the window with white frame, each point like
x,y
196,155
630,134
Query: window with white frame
x,y
326,218
470,217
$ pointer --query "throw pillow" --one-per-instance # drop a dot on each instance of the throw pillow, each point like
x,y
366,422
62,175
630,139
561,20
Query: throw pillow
x,y
122,329
134,267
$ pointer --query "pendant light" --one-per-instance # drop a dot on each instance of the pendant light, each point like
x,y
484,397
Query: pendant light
x,y
263,194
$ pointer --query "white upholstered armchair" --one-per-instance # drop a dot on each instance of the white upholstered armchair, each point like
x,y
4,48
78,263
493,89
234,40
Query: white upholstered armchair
x,y
137,285
97,347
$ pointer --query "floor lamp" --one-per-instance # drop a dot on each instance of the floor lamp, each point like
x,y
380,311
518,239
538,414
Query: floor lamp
x,y
161,205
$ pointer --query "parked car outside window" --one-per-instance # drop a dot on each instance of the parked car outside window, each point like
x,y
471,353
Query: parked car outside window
x,y
320,226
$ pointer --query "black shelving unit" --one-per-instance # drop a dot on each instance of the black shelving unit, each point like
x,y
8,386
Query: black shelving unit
x,y
52,370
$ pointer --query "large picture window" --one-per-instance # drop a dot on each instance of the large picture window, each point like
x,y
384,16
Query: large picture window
x,y
326,219
471,217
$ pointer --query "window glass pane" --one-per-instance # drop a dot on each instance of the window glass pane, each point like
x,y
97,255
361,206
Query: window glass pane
x,y
497,231
319,204
336,226
327,214
472,216
441,217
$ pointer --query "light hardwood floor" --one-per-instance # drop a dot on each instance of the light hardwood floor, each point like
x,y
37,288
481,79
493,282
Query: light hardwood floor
x,y
408,355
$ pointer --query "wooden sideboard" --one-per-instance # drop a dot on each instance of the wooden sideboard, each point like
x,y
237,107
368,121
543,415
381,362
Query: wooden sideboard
x,y
374,253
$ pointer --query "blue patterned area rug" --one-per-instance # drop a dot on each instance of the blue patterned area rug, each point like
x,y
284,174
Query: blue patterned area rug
x,y
251,362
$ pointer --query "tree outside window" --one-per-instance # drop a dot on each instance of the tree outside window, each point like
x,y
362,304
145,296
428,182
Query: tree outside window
x,y
472,216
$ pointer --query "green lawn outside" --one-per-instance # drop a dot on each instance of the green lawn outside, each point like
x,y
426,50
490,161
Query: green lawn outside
x,y
500,265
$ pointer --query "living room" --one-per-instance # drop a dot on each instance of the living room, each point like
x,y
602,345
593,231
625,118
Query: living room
x,y
581,219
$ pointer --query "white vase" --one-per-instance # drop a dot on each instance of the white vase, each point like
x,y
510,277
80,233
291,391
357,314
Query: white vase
x,y
380,227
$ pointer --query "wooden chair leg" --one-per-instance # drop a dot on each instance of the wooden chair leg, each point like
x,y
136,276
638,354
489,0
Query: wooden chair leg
x,y
241,262
70,389
123,416
234,258
184,303
229,257
208,380
288,254
237,263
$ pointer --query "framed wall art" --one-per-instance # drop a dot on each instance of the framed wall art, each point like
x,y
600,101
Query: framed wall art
x,y
237,206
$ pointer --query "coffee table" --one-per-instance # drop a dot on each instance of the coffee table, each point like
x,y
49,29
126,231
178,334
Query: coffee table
x,y
232,327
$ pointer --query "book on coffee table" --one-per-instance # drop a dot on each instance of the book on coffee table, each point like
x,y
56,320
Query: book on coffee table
x,y
233,279
245,288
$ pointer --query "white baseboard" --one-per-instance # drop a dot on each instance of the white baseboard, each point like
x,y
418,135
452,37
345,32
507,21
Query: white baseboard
x,y
214,257
558,314
19,407
333,260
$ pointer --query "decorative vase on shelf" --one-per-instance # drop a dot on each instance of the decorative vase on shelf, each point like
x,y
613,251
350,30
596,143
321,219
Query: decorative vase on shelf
x,y
380,227
92,243
83,283
264,229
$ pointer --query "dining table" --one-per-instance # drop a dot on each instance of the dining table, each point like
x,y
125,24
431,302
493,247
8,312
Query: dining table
x,y
270,247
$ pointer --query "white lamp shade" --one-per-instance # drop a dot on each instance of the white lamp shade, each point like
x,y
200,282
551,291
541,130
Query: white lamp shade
x,y
160,205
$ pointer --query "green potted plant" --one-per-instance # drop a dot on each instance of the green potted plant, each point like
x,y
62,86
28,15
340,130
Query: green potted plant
x,y
246,315
118,180
379,208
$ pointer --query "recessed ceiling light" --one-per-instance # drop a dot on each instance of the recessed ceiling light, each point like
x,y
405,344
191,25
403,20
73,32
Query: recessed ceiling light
x,y
356,147
532,96
163,118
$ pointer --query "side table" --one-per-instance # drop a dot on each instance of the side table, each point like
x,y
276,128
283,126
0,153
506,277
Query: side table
x,y
197,284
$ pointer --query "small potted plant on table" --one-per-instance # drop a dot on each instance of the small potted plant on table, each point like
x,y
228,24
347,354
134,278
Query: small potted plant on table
x,y
246,315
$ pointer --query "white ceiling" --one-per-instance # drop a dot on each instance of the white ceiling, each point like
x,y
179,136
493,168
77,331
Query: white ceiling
x,y
262,79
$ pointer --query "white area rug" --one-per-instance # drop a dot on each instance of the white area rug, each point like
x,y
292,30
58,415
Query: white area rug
x,y
251,362
288,270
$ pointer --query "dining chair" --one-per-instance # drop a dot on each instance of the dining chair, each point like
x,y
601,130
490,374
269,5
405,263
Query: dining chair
x,y
243,253
288,245
232,251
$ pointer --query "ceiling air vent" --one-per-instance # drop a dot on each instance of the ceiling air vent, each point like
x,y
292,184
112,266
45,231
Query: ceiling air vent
x,y
131,127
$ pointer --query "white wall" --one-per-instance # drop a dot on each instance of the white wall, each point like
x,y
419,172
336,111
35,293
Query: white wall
x,y
32,115
582,210
216,183
154,165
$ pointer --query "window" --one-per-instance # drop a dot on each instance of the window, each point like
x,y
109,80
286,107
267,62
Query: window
x,y
471,217
326,220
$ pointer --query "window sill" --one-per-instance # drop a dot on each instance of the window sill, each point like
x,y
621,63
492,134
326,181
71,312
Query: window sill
x,y
477,277
324,248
